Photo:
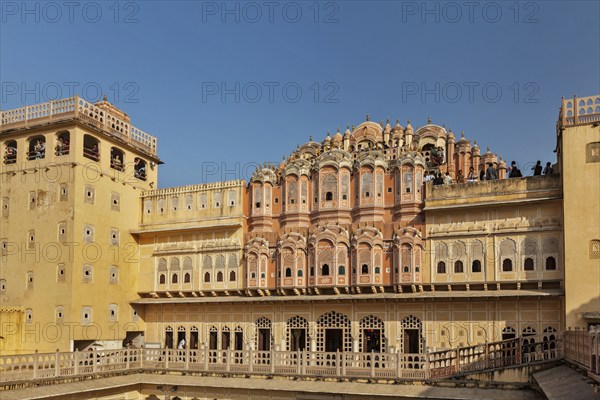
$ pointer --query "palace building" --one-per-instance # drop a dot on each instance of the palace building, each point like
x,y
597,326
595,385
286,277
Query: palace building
x,y
346,245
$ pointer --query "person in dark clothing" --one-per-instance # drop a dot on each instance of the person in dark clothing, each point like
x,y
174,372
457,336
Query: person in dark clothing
x,y
491,173
537,169
439,180
482,174
548,170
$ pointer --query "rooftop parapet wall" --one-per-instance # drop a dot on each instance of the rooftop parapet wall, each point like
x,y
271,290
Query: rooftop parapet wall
x,y
190,189
496,191
579,111
102,115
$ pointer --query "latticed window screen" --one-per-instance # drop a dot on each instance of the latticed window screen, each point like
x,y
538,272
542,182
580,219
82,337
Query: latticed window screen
x,y
296,322
368,323
594,249
263,323
334,320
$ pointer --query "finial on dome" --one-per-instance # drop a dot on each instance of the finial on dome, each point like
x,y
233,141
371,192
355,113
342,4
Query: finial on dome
x,y
408,121
310,138
347,125
327,133
387,120
488,149
397,121
338,131
104,98
368,118
428,120
352,126
297,147
462,134
475,142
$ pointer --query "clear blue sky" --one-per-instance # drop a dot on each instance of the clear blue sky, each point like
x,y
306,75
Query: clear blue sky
x,y
167,64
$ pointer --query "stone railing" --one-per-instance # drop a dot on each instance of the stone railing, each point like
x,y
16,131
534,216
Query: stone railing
x,y
579,111
18,369
77,108
583,349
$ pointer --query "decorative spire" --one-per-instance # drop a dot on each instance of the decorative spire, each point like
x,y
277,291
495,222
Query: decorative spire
x,y
104,98
310,138
462,134
387,120
397,121
428,120
338,131
408,121
352,126
328,133
488,149
368,118
347,125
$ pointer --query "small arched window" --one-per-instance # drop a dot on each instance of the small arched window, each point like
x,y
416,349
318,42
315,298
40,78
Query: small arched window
x,y
299,273
441,267
528,265
550,263
325,270
507,265
174,278
219,276
476,266
328,196
162,279
288,272
458,267
232,276
377,270
364,269
187,278
207,277
341,270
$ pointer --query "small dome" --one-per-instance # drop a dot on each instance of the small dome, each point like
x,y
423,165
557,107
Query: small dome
x,y
347,133
409,129
338,136
388,127
462,138
328,138
450,135
398,127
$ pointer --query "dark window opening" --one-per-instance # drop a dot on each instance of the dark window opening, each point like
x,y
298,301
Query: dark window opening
x,y
507,265
476,266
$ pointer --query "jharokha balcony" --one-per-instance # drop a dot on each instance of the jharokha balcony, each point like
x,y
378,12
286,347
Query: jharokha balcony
x,y
102,115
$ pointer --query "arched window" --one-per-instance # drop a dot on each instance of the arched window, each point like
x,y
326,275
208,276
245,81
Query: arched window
x,y
528,265
507,265
441,267
37,148
377,270
187,278
162,279
550,263
62,143
219,276
91,148
139,169
476,266
325,270
364,269
328,196
341,270
232,276
117,159
288,272
174,278
10,152
458,267
299,273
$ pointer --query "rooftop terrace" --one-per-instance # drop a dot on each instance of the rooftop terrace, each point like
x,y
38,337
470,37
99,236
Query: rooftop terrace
x,y
102,115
